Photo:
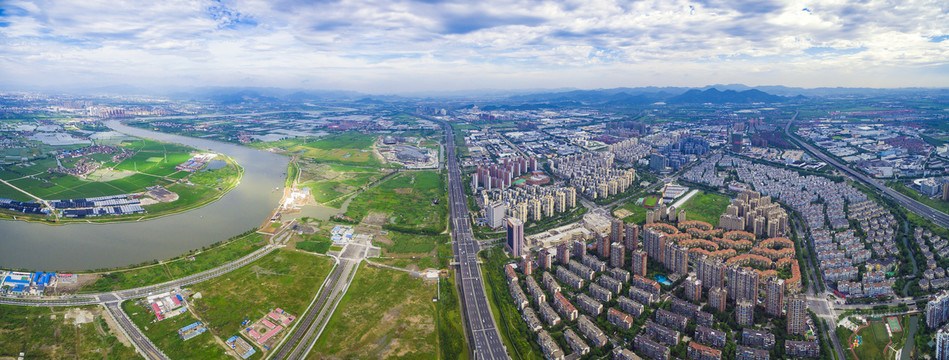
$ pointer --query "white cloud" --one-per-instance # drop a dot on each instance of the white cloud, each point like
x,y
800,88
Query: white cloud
x,y
405,45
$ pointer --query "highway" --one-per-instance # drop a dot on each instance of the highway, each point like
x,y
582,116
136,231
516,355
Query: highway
x,y
936,216
484,339
304,337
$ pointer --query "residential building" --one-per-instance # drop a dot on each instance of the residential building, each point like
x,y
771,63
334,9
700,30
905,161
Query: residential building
x,y
591,331
630,306
575,342
531,319
711,271
698,351
693,289
617,230
650,348
520,300
568,277
624,354
617,255
942,344
747,353
619,319
549,346
563,253
742,283
515,237
716,298
801,349
797,314
564,307
756,338
632,236
661,333
654,241
589,305
550,283
639,262
937,309
642,296
745,313
611,284
646,284
775,301
548,314
709,336
671,319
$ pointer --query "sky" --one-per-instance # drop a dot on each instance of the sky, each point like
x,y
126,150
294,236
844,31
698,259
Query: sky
x,y
400,46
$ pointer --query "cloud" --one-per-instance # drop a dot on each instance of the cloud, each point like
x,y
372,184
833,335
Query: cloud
x,y
407,45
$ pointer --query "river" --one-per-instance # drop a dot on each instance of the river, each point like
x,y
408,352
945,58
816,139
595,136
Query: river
x,y
84,246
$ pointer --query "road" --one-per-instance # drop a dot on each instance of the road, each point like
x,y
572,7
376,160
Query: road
x,y
305,335
113,300
485,340
936,216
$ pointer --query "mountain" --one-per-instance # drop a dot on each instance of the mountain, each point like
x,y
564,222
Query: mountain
x,y
715,96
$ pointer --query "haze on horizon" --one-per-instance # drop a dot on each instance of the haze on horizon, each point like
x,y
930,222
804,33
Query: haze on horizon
x,y
429,45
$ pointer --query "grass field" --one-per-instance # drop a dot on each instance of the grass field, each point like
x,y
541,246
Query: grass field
x,y
706,207
164,334
328,182
384,314
406,200
452,342
637,213
874,341
44,333
284,278
179,267
346,148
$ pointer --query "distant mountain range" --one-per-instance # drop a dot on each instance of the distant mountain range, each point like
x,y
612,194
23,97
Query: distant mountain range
x,y
520,99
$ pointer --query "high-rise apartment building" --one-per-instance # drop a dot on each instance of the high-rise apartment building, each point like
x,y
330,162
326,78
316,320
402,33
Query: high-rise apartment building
x,y
742,284
711,271
515,237
632,236
797,314
617,230
617,255
775,300
639,262
563,253
654,242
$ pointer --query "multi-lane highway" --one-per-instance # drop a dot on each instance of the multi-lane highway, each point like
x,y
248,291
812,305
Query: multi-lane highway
x,y
485,341
936,216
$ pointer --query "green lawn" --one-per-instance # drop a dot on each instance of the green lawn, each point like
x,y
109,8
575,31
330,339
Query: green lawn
x,y
164,334
44,333
384,314
406,200
284,278
638,214
874,341
706,207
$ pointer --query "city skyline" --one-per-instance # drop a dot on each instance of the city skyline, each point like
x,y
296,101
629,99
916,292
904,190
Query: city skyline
x,y
418,46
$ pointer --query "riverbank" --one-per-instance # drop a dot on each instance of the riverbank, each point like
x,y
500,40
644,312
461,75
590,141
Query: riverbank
x,y
189,197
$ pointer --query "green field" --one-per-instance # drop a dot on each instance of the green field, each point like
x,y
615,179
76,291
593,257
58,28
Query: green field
x,y
351,148
328,182
164,334
874,341
283,279
44,333
406,201
384,314
178,267
155,165
706,207
452,341
638,215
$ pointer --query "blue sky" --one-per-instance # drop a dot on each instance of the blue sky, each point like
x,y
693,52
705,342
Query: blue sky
x,y
425,45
